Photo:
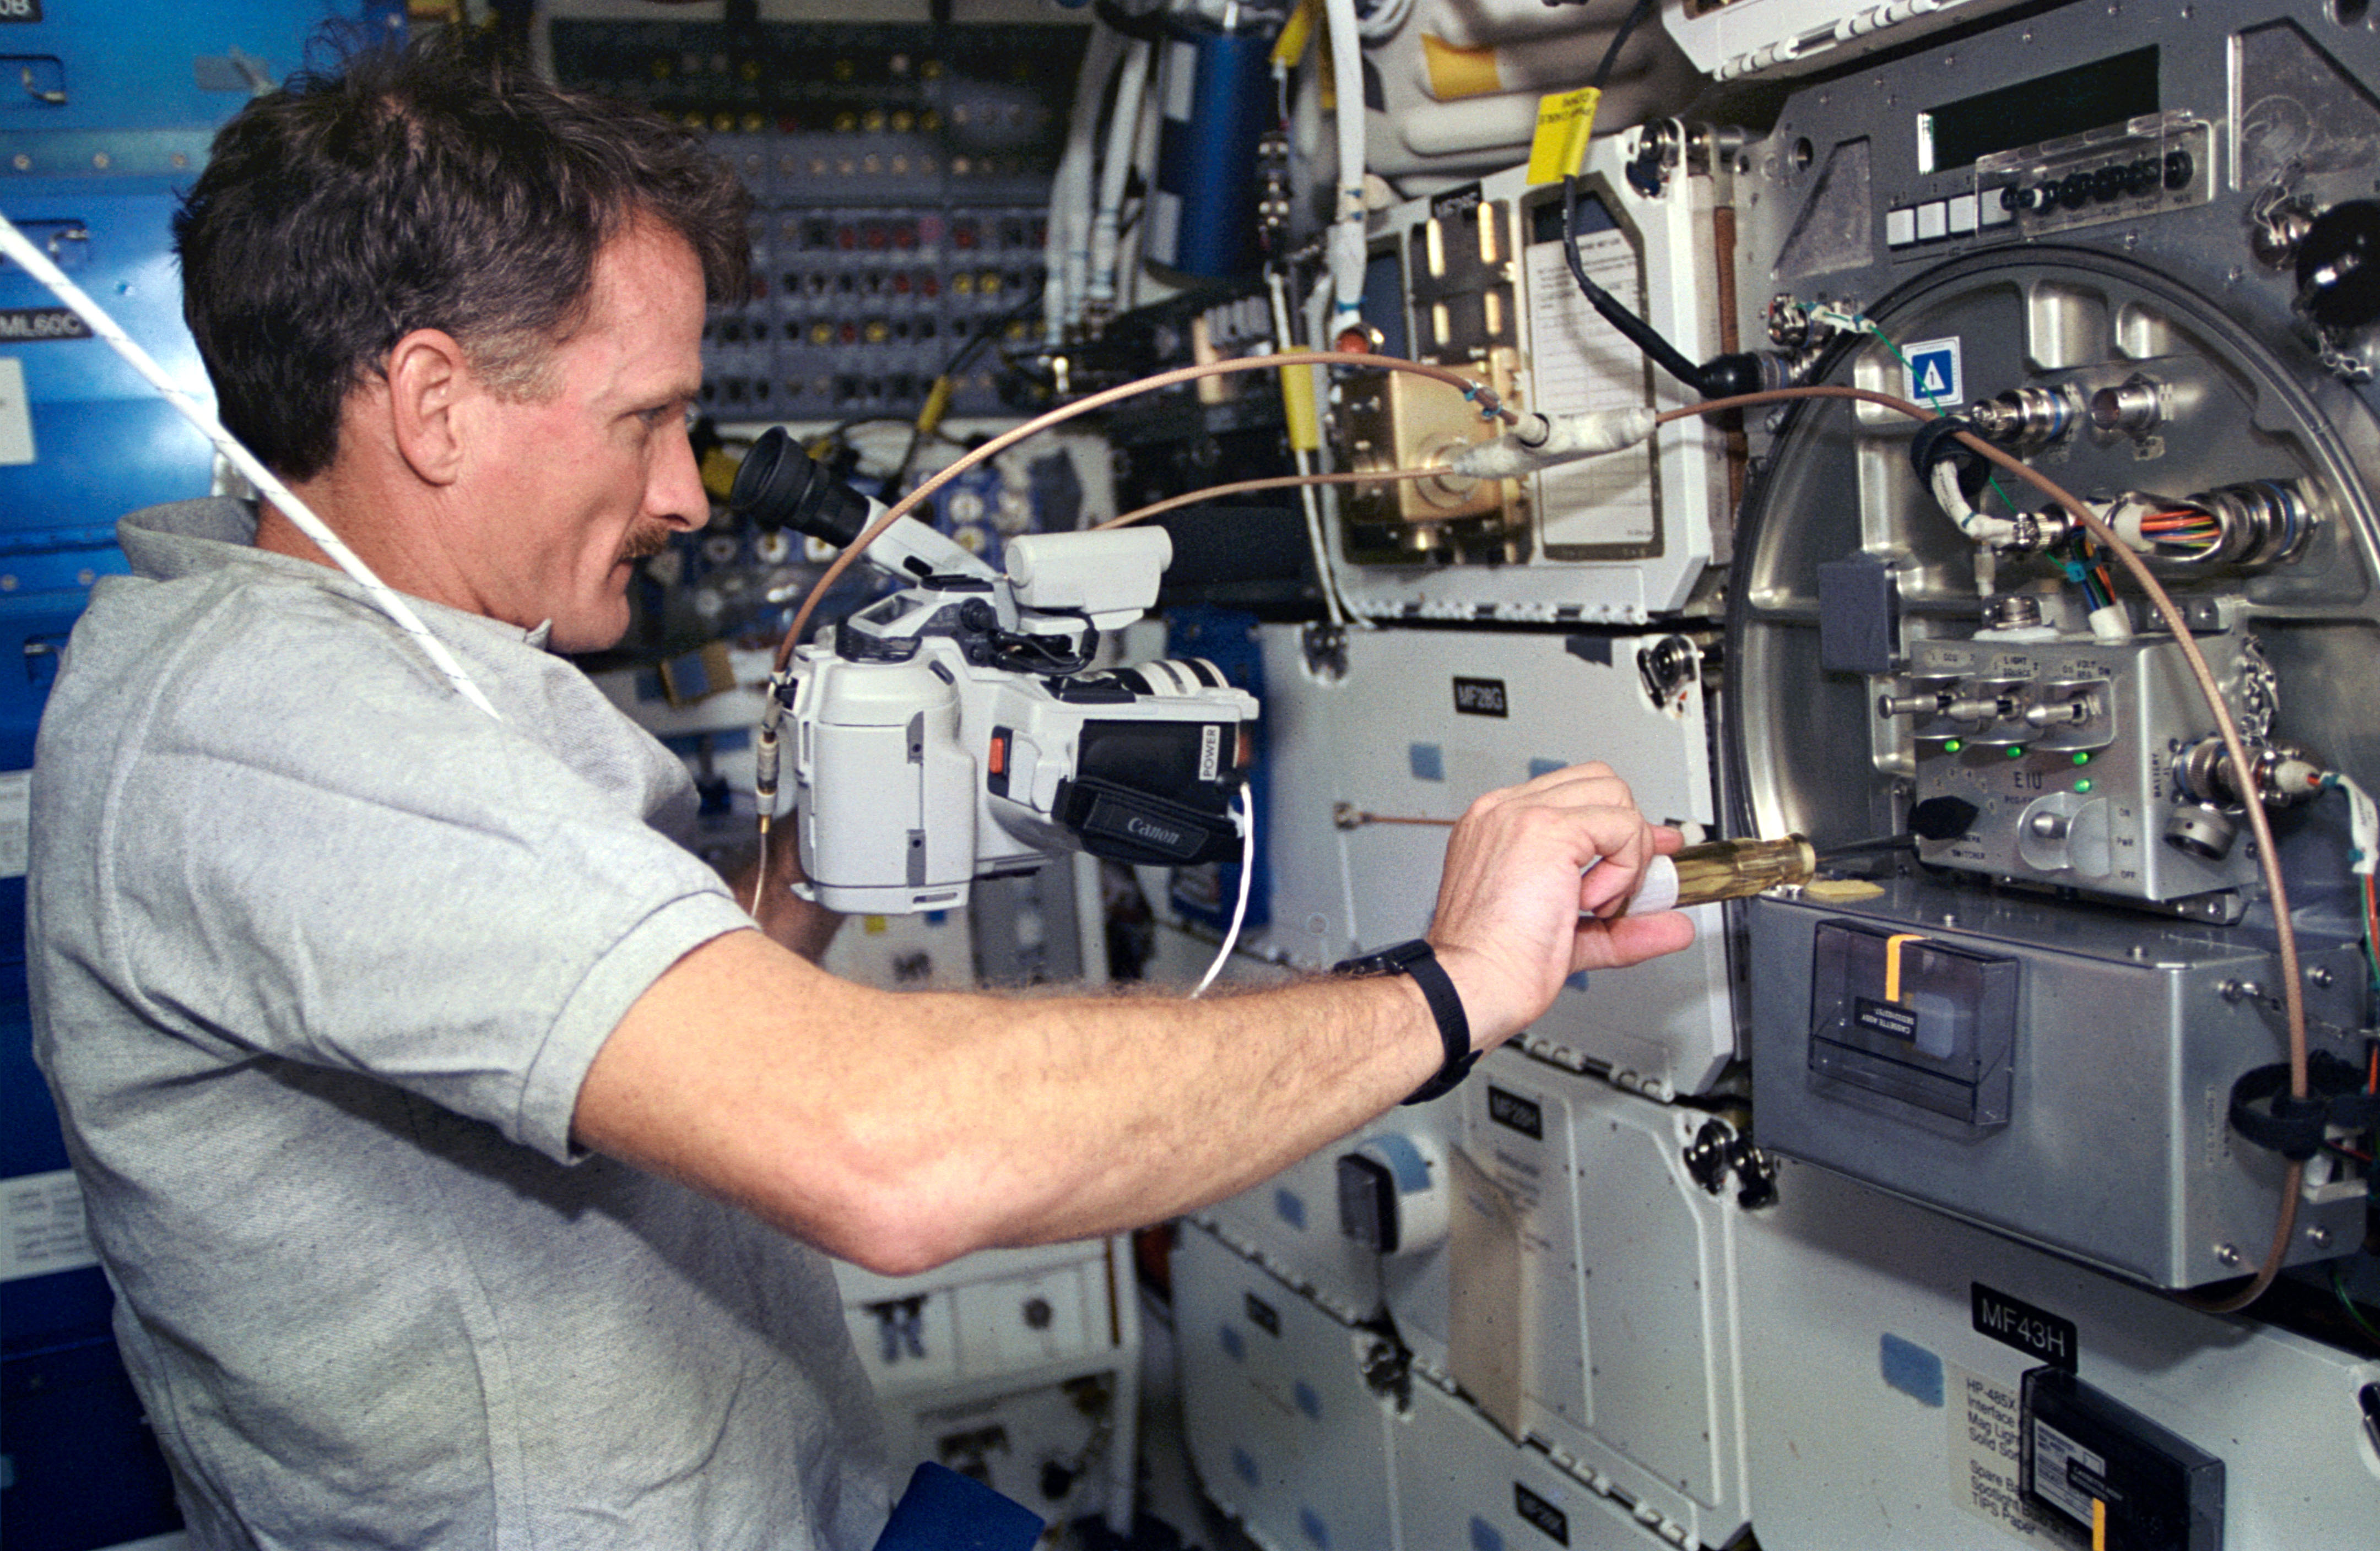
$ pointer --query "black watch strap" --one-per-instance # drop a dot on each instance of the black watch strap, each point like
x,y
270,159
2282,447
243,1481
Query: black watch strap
x,y
1417,959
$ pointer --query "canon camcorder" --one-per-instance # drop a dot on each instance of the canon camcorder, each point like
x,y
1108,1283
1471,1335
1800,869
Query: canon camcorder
x,y
956,729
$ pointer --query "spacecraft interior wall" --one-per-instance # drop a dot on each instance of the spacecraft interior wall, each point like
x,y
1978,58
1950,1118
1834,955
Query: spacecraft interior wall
x,y
1884,1356
1625,1307
1375,729
1462,1483
1284,1431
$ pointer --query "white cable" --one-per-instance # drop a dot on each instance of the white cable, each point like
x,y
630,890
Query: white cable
x,y
37,263
1247,818
1283,339
1387,20
1539,441
1347,229
1974,524
1066,250
1134,242
2363,825
1115,168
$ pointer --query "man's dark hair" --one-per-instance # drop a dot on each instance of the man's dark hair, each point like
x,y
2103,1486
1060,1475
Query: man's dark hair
x,y
434,185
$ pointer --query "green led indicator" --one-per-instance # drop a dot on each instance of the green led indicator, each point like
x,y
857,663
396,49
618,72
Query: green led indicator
x,y
2016,751
2082,756
2083,785
1952,745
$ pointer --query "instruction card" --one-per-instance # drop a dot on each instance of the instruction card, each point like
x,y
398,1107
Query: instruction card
x,y
1986,1478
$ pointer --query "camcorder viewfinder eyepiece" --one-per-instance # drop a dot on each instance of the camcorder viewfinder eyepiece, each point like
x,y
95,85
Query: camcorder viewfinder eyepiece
x,y
781,486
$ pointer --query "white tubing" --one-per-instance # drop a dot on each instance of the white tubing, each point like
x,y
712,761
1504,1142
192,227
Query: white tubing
x,y
37,263
1541,442
1284,339
1135,240
1346,250
1386,21
2363,825
1066,250
1115,169
1974,524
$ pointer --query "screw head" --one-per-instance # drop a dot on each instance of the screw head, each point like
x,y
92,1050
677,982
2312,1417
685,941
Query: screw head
x,y
2318,1236
2226,1254
2321,977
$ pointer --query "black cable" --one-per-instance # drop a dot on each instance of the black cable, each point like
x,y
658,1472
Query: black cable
x,y
1147,27
961,358
1636,14
1633,329
1637,332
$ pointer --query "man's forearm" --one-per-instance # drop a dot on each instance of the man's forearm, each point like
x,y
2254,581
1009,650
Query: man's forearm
x,y
900,1130
1035,1119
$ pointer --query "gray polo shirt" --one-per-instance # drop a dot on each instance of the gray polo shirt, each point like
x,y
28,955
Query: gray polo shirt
x,y
321,954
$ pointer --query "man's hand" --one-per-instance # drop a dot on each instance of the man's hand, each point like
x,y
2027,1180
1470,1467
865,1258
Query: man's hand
x,y
1519,911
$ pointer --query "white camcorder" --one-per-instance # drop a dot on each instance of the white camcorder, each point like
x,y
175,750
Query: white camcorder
x,y
955,729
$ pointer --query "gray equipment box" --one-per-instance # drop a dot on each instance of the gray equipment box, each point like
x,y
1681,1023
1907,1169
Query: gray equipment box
x,y
2116,1043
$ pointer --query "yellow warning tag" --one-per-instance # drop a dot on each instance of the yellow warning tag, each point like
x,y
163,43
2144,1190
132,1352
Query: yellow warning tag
x,y
1297,406
1565,119
1288,49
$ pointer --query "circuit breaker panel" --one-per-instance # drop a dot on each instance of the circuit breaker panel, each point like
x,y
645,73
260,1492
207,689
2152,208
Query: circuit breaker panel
x,y
900,179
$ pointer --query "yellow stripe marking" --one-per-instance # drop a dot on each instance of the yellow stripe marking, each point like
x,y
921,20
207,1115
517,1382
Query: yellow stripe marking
x,y
1892,963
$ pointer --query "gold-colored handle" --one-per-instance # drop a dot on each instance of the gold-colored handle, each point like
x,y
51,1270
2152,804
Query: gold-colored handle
x,y
1732,869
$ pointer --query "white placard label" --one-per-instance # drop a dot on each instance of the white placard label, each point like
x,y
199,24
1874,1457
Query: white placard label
x,y
16,413
1584,364
15,820
42,1228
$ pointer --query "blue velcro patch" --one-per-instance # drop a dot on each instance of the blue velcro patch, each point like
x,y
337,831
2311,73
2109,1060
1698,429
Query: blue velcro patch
x,y
1911,1369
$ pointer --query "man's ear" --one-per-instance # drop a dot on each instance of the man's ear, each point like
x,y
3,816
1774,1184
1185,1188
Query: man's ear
x,y
427,380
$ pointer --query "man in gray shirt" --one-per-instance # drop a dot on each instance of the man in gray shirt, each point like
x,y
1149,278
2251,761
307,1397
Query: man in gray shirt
x,y
461,1154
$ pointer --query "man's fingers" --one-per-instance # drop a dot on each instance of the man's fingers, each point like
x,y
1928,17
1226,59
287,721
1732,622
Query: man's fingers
x,y
1592,769
1631,938
1591,785
1521,866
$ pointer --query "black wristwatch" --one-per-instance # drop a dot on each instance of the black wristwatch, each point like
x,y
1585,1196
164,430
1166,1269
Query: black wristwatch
x,y
1417,959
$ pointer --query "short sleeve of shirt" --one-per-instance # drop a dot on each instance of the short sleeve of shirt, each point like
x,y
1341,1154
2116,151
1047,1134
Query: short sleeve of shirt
x,y
383,879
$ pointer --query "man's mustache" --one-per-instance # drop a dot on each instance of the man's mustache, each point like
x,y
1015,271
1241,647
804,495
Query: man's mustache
x,y
644,541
